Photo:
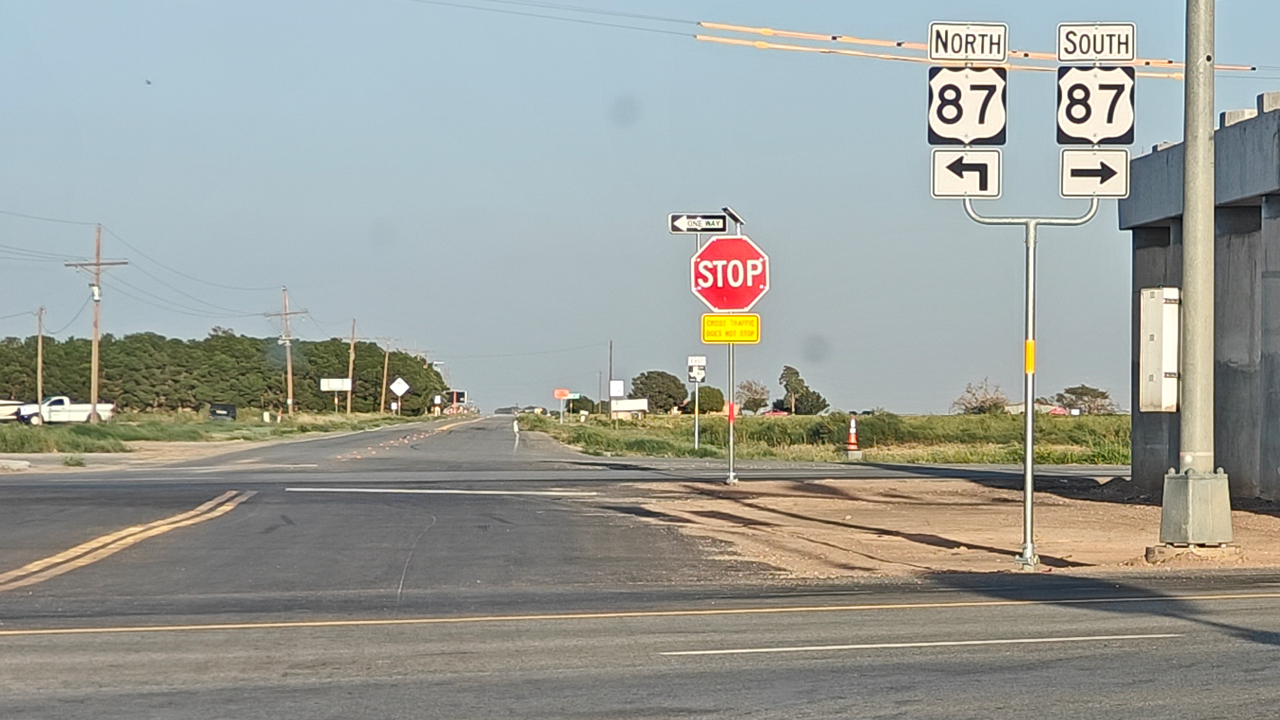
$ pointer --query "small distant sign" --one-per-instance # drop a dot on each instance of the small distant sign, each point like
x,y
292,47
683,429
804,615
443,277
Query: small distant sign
x,y
399,387
335,384
1080,43
697,360
560,393
968,42
617,388
573,396
632,405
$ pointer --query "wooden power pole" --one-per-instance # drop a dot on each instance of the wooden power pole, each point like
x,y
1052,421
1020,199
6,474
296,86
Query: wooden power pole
x,y
96,287
351,365
386,365
286,339
40,354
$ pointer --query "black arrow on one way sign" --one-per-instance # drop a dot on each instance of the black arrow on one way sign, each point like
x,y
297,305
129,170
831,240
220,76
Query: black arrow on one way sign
x,y
960,167
1103,172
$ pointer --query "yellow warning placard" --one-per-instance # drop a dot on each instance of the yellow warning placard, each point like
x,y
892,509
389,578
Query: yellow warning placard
x,y
723,329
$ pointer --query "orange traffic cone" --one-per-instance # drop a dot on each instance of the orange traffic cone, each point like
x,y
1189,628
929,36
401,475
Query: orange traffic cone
x,y
851,444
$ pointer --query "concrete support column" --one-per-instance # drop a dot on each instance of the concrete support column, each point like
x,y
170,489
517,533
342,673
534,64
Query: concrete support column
x,y
1269,370
1238,394
1157,262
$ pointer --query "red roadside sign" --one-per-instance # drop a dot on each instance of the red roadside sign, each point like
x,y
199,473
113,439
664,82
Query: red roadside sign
x,y
730,273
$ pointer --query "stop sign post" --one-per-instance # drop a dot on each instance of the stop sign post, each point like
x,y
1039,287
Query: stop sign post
x,y
730,274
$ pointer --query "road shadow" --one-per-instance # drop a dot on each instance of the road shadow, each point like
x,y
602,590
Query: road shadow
x,y
744,499
1115,489
1097,594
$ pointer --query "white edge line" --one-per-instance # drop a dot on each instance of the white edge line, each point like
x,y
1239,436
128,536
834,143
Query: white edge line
x,y
420,491
941,643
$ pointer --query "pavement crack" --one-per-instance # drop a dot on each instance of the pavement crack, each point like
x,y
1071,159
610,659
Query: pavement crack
x,y
405,571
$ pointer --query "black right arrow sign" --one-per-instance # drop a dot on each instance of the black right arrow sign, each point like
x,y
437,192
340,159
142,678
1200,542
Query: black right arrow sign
x,y
1103,172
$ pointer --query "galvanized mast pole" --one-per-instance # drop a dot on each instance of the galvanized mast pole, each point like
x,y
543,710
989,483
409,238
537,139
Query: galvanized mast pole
x,y
1196,505
1028,559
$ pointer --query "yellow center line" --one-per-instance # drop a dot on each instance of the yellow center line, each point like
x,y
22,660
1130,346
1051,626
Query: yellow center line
x,y
394,622
112,543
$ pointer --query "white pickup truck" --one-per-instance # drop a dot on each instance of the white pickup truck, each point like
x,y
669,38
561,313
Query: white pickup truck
x,y
60,409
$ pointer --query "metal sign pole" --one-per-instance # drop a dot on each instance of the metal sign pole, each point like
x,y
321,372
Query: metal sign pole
x,y
732,479
697,396
1028,558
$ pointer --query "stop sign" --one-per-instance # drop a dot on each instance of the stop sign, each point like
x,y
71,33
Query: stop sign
x,y
730,274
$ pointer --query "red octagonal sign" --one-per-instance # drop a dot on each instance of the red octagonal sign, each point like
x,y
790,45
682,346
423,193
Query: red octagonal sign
x,y
730,273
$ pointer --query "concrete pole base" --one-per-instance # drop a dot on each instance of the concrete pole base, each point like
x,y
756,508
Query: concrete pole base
x,y
1157,554
1196,509
853,455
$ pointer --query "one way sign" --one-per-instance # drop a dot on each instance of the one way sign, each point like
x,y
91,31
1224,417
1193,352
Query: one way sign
x,y
966,173
679,223
1094,173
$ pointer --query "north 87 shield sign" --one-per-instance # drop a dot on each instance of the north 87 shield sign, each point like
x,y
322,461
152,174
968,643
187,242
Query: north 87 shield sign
x,y
967,106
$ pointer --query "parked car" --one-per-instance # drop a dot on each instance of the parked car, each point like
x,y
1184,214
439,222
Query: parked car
x,y
60,409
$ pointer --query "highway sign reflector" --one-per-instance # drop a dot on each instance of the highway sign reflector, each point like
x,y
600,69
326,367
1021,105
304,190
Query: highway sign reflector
x,y
399,387
1082,43
967,106
1095,105
680,223
723,329
560,393
966,173
968,42
730,273
1094,172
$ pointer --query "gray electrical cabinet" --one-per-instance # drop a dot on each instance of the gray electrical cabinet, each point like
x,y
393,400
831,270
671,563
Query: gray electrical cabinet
x,y
1159,317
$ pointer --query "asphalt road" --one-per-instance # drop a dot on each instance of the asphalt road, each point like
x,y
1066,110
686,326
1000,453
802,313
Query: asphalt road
x,y
443,571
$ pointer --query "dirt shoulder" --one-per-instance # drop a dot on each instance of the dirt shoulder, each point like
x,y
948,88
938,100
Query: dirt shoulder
x,y
841,528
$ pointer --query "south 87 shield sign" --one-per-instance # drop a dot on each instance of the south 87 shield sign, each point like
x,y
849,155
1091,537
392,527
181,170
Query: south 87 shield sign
x,y
1095,105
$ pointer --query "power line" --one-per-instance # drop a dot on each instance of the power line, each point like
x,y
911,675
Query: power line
x,y
591,11
42,218
164,303
75,318
176,271
580,21
193,297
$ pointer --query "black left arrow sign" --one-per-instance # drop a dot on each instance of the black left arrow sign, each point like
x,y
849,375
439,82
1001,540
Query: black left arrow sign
x,y
1103,172
960,167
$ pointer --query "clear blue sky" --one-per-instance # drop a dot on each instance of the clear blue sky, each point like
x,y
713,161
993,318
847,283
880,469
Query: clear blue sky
x,y
493,188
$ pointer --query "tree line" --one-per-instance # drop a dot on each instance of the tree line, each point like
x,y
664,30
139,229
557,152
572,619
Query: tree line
x,y
146,371
665,391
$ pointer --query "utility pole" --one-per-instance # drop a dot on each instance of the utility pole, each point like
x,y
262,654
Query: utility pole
x,y
386,366
96,287
286,339
40,354
351,365
610,378
1196,506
